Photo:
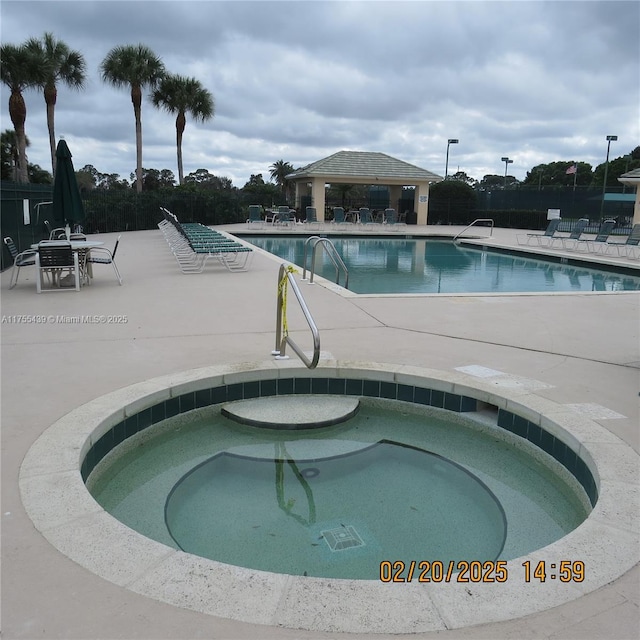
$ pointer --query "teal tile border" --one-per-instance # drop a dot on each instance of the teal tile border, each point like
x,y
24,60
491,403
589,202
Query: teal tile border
x,y
371,388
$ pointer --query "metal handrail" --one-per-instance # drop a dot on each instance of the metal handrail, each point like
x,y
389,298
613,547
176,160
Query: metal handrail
x,y
283,340
471,225
333,254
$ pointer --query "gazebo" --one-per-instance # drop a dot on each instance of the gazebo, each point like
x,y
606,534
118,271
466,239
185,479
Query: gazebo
x,y
632,178
363,167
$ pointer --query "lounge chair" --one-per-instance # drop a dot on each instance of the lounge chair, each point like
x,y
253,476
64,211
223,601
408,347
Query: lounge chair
x,y
573,237
311,217
598,244
630,248
338,215
193,244
365,216
20,259
549,232
391,219
283,217
255,215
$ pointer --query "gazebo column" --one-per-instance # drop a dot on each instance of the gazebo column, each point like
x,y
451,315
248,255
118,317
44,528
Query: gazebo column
x,y
318,197
421,202
633,180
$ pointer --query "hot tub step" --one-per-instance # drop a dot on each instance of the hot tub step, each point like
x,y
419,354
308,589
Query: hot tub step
x,y
292,412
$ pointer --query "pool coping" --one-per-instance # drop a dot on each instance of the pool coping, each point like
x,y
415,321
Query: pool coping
x,y
62,509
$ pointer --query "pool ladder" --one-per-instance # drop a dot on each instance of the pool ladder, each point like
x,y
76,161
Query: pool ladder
x,y
285,277
333,254
471,225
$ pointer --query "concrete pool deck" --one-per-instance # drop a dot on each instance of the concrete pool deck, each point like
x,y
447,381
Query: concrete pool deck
x,y
577,349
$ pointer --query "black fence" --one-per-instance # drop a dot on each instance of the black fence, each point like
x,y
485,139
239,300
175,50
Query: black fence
x,y
526,208
24,209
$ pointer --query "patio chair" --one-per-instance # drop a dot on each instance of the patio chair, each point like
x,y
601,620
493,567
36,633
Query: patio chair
x,y
549,232
54,259
20,259
255,215
102,255
573,237
85,273
59,233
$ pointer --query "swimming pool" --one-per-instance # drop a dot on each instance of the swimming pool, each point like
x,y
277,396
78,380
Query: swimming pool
x,y
426,265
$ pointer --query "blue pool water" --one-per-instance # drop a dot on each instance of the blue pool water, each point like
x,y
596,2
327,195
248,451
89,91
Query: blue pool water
x,y
398,265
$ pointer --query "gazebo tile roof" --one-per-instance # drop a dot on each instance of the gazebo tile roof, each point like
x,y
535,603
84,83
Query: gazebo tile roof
x,y
631,176
362,164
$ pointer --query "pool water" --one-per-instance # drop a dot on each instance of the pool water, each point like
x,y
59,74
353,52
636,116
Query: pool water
x,y
337,517
397,265
392,483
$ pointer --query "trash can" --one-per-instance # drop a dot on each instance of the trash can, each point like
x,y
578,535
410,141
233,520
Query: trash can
x,y
411,217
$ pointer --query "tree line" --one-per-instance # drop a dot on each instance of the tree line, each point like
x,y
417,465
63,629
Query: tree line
x,y
44,63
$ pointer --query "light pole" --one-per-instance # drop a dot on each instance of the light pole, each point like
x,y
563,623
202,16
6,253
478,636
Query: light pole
x,y
446,166
606,171
507,161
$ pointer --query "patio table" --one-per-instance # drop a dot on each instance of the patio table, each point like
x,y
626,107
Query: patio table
x,y
79,245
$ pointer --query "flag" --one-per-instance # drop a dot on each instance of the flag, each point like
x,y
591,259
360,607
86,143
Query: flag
x,y
572,169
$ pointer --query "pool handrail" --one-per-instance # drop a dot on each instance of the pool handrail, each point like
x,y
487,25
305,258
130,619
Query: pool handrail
x,y
471,225
282,336
333,254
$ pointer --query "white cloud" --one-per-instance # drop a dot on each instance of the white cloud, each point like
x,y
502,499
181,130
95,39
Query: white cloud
x,y
537,81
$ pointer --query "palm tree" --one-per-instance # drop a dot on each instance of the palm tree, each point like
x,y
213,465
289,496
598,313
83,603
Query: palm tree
x,y
279,170
177,94
19,70
60,64
134,66
9,152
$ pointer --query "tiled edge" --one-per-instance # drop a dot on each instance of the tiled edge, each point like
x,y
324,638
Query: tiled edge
x,y
56,499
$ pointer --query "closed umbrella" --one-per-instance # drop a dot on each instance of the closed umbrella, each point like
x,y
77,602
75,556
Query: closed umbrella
x,y
67,204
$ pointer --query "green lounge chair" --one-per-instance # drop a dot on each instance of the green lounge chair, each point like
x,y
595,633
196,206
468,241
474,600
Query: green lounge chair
x,y
255,215
573,237
549,232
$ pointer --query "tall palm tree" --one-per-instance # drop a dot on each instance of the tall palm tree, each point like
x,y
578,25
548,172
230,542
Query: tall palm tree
x,y
9,152
279,170
179,95
134,66
60,64
19,70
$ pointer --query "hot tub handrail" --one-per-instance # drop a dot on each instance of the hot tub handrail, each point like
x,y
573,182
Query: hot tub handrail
x,y
333,254
471,225
285,277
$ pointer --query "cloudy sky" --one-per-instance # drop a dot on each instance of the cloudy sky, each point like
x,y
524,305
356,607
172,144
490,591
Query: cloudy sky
x,y
299,80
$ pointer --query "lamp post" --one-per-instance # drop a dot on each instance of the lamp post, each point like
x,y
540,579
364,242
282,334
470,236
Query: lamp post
x,y
507,161
450,141
606,171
